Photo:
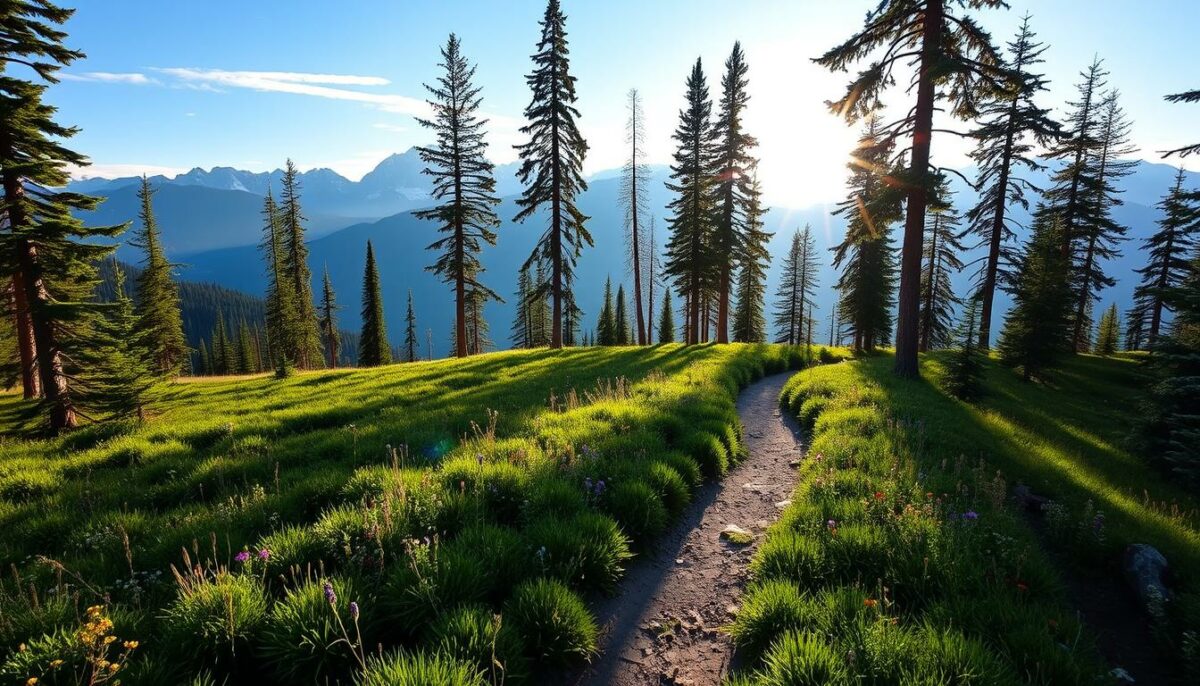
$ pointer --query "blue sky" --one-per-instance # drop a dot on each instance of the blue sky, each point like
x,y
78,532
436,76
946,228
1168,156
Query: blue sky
x,y
168,86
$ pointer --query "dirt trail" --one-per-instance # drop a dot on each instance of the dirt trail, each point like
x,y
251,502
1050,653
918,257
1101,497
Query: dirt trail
x,y
662,626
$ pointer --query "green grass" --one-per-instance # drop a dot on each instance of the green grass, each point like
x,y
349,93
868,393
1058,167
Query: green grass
x,y
903,547
371,475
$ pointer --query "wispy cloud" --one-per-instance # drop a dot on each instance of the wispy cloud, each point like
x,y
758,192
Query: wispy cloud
x,y
133,78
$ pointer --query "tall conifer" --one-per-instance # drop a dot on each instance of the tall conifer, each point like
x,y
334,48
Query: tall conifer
x,y
606,325
666,323
621,318
635,178
328,321
1167,251
306,334
522,326
410,332
1108,334
941,260
120,372
160,320
797,286
281,312
1037,328
373,346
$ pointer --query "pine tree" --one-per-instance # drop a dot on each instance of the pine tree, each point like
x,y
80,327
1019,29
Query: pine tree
x,y
1167,252
328,321
160,320
1135,328
942,249
120,373
635,177
749,324
1108,335
735,193
621,318
223,354
463,184
306,335
373,346
49,256
666,322
410,332
552,163
954,57
522,326
539,308
247,362
964,368
797,287
205,366
1101,234
1186,96
866,256
1037,328
689,250
1011,124
1072,184
606,325
281,312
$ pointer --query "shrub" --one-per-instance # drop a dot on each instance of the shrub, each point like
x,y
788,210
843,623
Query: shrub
x,y
709,452
300,635
802,658
478,637
688,468
214,619
418,669
587,551
670,487
556,625
769,609
429,580
638,509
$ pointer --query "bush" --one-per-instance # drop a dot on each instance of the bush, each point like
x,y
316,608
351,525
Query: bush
x,y
418,669
709,452
802,658
556,625
430,580
300,636
587,551
670,487
213,620
769,609
688,468
478,637
638,509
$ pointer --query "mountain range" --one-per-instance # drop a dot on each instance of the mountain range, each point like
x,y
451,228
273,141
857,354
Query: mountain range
x,y
211,224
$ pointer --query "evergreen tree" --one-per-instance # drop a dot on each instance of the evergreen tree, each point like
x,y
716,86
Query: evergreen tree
x,y
749,324
223,354
867,283
1075,181
689,250
635,177
954,56
941,258
1098,238
1166,266
205,366
306,335
1011,124
797,286
621,318
1108,335
1037,328
1186,96
539,308
120,372
522,327
373,346
48,255
247,360
606,326
463,184
666,325
735,193
281,313
964,368
328,321
552,163
1135,328
160,320
410,332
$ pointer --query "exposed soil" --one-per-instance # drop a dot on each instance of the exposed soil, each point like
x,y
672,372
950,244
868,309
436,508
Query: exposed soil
x,y
663,625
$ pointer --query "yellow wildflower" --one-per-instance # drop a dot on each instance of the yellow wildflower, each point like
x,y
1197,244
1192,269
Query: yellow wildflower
x,y
32,681
55,664
114,667
109,639
130,645
102,663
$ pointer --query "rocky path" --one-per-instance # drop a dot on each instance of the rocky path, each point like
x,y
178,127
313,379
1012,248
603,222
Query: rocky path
x,y
662,626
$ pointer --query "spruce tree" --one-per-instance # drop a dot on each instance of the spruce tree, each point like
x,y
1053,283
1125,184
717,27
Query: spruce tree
x,y
749,324
635,177
552,164
606,325
373,346
797,287
522,326
1100,234
942,249
539,308
1011,124
328,321
49,256
621,319
205,365
1075,180
160,319
867,283
1186,96
666,323
735,193
247,362
120,372
1108,334
1037,328
689,249
410,332
954,56
964,368
223,353
306,335
1167,251
463,185
281,312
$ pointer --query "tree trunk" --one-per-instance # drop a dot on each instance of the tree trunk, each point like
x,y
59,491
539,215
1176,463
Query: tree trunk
x,y
1081,306
637,256
31,385
988,289
914,223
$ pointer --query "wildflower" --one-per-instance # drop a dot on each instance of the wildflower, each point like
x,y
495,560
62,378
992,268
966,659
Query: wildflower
x,y
130,645
109,639
114,666
32,681
354,611
264,554
832,524
330,596
879,495
55,664
242,556
479,459
870,602
970,515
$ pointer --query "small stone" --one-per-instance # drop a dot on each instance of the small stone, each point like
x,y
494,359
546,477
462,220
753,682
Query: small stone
x,y
647,652
732,610
737,535
794,463
783,504
762,524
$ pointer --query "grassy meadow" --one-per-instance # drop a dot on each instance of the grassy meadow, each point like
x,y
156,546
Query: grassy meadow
x,y
441,522
904,550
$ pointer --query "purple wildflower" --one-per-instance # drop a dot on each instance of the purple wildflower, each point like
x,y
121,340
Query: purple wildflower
x,y
242,556
832,524
354,611
264,554
970,515
330,596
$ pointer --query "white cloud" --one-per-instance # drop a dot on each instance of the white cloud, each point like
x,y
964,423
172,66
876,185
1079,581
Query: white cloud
x,y
133,78
394,128
116,171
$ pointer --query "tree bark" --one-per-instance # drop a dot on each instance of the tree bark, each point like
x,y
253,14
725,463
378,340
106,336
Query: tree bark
x,y
31,385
